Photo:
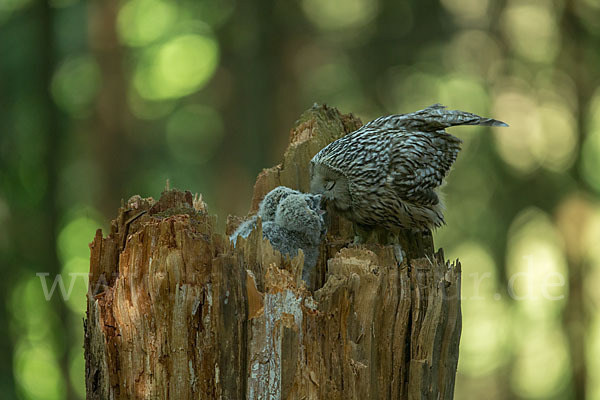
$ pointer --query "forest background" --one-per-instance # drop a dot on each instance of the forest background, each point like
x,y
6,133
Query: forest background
x,y
104,99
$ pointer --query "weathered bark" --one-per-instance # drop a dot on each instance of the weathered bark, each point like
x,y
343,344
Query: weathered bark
x,y
176,311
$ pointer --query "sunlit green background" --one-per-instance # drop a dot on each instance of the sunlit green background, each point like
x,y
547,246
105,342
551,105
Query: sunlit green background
x,y
103,99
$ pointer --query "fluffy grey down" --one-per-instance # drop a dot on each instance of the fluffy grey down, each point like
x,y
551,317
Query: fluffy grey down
x,y
291,220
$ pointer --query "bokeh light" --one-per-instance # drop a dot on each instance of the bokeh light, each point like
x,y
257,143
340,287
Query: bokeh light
x,y
516,147
38,373
140,22
579,220
576,218
590,232
74,254
531,30
474,53
36,324
464,93
541,363
340,14
176,68
536,266
408,88
540,134
590,157
75,279
558,124
34,318
467,9
75,85
12,5
593,357
485,337
149,109
73,239
7,7
537,277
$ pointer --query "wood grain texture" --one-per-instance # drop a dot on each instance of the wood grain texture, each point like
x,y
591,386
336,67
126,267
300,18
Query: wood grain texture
x,y
176,312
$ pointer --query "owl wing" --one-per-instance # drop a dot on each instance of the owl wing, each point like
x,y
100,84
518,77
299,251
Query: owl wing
x,y
431,119
419,163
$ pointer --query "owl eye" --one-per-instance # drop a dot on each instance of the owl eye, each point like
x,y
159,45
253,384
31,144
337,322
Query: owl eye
x,y
329,185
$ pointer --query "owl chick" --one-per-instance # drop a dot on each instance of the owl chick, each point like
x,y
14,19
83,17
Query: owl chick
x,y
291,220
386,173
266,211
268,206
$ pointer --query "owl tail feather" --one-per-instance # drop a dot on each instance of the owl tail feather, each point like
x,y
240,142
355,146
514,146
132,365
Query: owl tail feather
x,y
434,117
438,115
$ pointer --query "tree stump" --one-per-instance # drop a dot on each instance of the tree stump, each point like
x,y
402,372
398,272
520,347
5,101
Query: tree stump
x,y
175,311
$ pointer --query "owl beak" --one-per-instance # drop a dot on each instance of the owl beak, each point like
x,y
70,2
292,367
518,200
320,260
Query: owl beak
x,y
320,201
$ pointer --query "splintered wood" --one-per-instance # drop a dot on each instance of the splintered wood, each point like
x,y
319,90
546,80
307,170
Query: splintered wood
x,y
175,311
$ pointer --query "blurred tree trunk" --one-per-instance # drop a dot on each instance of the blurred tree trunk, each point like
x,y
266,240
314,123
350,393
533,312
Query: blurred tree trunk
x,y
111,118
175,311
53,123
575,57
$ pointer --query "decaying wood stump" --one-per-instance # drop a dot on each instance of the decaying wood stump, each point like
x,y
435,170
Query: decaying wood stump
x,y
176,311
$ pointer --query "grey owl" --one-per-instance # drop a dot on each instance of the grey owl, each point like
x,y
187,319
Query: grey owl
x,y
387,173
